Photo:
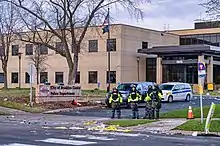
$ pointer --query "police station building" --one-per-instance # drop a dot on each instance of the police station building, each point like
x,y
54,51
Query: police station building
x,y
179,62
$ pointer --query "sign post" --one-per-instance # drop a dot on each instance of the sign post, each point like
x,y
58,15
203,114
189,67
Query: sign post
x,y
201,79
209,118
31,72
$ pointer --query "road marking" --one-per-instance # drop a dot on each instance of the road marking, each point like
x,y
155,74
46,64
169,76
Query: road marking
x,y
76,128
118,134
67,142
92,137
17,144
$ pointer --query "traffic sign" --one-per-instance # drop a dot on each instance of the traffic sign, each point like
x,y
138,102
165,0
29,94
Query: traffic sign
x,y
201,70
32,72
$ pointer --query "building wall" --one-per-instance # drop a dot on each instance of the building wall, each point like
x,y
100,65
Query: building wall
x,y
123,60
132,38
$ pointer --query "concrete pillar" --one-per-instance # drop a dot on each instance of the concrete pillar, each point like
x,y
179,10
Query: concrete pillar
x,y
201,58
159,70
210,70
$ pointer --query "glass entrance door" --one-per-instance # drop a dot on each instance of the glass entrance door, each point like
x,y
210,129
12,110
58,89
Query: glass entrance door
x,y
180,73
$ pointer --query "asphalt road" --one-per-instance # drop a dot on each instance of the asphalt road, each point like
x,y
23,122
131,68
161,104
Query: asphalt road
x,y
126,113
31,135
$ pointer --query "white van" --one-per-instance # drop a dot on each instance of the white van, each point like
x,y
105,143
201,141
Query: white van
x,y
176,91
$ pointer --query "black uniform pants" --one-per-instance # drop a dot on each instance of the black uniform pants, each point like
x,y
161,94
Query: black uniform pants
x,y
116,107
148,110
135,110
156,105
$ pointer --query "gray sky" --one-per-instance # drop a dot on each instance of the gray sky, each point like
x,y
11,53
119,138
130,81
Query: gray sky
x,y
179,14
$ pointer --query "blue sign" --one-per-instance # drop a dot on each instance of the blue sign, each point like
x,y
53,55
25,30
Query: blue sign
x,y
98,84
201,66
201,70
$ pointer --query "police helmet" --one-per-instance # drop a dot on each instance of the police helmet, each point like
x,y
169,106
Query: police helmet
x,y
114,89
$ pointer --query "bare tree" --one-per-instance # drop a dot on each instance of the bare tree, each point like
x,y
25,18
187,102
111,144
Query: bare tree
x,y
8,26
212,8
67,21
39,61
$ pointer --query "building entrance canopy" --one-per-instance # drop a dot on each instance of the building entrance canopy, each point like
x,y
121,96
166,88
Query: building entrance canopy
x,y
179,63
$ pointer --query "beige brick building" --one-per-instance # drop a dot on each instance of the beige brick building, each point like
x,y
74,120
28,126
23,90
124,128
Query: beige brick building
x,y
125,41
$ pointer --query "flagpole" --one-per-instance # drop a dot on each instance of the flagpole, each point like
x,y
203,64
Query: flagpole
x,y
109,60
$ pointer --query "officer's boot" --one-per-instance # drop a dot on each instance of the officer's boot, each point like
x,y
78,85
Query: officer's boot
x,y
113,114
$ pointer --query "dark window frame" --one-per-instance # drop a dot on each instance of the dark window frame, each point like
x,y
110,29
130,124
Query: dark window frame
x,y
77,77
3,77
29,49
14,50
56,77
92,74
59,46
93,45
111,44
27,78
41,49
113,76
43,74
144,45
16,80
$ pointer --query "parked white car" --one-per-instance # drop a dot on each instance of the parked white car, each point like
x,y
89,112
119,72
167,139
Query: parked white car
x,y
176,91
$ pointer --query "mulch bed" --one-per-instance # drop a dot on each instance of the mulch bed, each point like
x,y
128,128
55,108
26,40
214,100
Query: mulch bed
x,y
48,105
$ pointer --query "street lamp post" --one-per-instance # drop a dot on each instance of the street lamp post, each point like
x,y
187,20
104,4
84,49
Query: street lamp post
x,y
138,65
19,70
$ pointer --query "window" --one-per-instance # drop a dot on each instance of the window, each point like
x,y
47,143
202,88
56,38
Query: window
x,y
112,77
177,87
2,51
144,45
93,45
43,49
58,77
43,77
29,49
93,76
77,78
27,77
59,47
182,87
14,77
15,50
111,44
166,87
125,87
1,77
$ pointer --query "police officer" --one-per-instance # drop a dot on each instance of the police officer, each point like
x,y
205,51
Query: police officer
x,y
133,100
148,108
156,101
115,100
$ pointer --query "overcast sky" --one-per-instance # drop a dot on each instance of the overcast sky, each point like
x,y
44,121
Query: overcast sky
x,y
179,14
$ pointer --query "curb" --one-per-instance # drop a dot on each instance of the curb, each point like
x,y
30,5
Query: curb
x,y
193,133
69,109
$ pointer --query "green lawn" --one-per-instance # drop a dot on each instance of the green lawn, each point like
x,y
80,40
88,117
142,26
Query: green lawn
x,y
129,123
21,106
195,125
196,111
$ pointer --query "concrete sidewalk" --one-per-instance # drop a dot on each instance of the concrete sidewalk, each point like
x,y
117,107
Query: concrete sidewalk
x,y
12,111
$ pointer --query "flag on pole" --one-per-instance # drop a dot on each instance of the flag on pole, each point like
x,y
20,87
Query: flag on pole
x,y
105,25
